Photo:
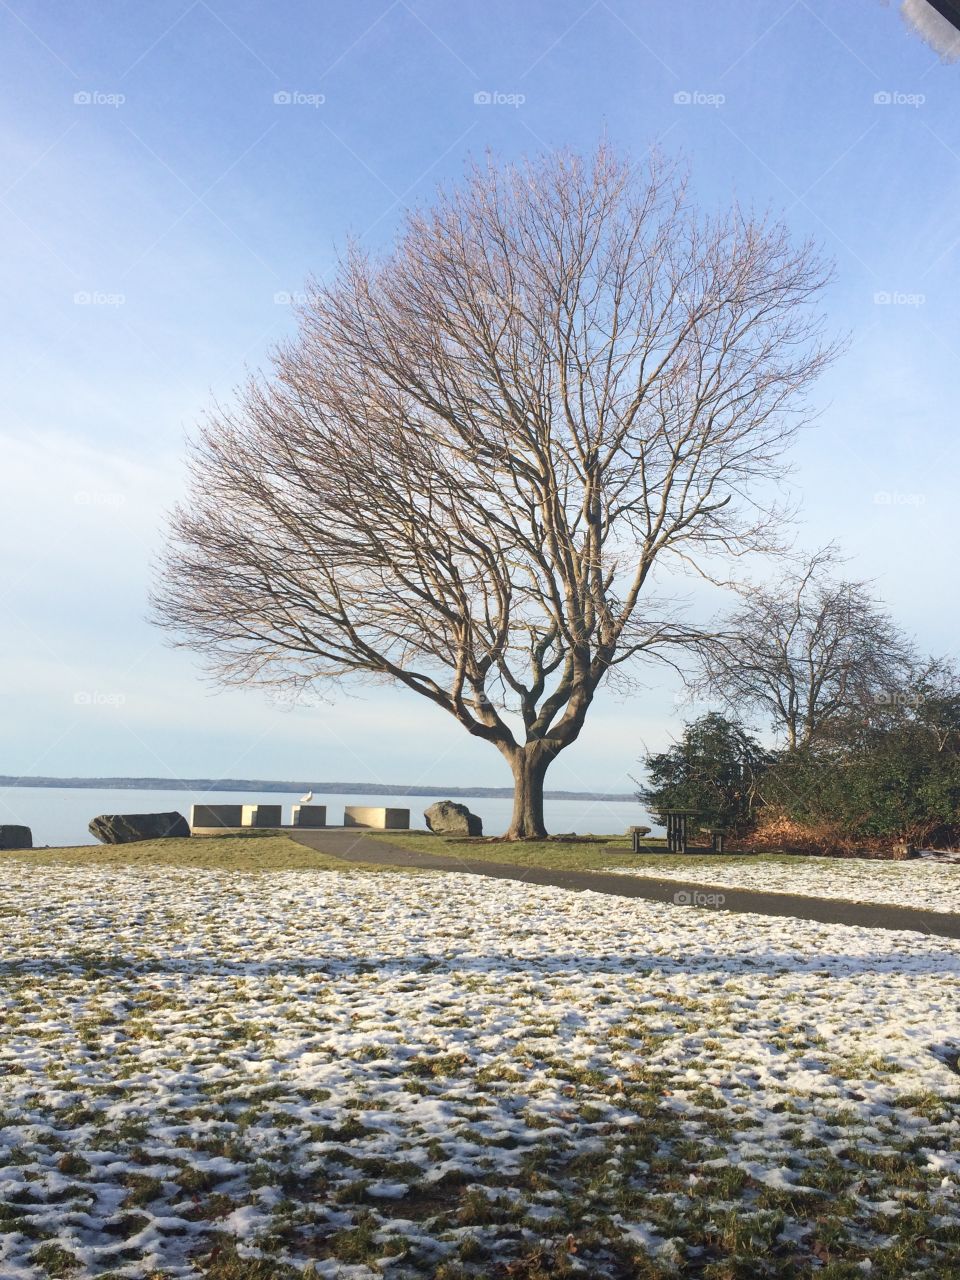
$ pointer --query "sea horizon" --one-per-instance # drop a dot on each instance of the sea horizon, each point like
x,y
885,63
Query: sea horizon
x,y
59,816
123,783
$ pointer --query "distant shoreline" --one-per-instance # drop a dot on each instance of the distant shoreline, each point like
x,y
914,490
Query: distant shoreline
x,y
318,788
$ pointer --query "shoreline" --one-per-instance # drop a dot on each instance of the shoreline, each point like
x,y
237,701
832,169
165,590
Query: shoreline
x,y
287,787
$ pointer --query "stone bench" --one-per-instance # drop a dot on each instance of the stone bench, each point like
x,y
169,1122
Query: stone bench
x,y
355,815
216,815
309,815
261,815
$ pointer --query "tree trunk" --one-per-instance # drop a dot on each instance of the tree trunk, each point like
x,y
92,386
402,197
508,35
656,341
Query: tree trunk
x,y
529,765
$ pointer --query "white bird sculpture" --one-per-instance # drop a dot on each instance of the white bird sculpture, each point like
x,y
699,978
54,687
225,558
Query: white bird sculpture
x,y
307,798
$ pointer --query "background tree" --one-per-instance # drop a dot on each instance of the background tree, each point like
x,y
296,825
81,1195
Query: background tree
x,y
887,772
715,770
459,476
807,650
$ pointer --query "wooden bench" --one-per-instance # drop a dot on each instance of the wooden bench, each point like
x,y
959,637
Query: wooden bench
x,y
716,835
636,834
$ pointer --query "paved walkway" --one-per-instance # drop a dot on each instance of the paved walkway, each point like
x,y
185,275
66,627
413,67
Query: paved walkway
x,y
356,846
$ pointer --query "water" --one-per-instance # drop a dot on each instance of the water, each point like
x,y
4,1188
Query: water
x,y
59,815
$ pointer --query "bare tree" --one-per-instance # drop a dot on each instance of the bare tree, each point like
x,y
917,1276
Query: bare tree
x,y
461,472
806,651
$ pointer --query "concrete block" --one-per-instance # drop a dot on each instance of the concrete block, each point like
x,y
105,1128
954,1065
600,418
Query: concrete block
x,y
261,815
216,815
309,815
355,815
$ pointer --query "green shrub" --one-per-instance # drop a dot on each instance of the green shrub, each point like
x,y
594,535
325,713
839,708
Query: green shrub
x,y
714,770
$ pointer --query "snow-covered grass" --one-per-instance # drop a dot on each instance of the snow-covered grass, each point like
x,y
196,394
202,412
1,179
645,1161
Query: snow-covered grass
x,y
446,1075
924,883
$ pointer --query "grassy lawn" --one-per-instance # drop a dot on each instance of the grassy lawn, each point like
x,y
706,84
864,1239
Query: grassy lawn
x,y
254,852
595,854
231,1077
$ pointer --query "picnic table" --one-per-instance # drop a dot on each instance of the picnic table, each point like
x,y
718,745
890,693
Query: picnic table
x,y
677,821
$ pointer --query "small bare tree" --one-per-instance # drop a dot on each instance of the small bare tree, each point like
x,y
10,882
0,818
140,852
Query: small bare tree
x,y
460,474
806,651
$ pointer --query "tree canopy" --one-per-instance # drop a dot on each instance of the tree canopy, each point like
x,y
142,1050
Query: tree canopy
x,y
459,475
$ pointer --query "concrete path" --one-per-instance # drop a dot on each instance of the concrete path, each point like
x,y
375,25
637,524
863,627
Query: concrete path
x,y
357,846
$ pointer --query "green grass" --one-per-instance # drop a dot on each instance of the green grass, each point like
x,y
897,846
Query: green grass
x,y
269,851
254,852
598,853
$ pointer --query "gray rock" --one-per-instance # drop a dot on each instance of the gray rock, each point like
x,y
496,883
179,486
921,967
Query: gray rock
x,y
12,837
124,828
447,818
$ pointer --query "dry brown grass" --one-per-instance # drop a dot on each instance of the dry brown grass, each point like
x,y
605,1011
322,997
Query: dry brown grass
x,y
777,832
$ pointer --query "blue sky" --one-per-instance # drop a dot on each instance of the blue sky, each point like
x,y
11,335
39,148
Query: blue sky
x,y
173,171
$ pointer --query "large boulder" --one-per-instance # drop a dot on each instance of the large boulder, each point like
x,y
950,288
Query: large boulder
x,y
124,828
13,837
447,818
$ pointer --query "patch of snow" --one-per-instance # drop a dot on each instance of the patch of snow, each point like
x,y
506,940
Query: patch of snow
x,y
926,884
280,1059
